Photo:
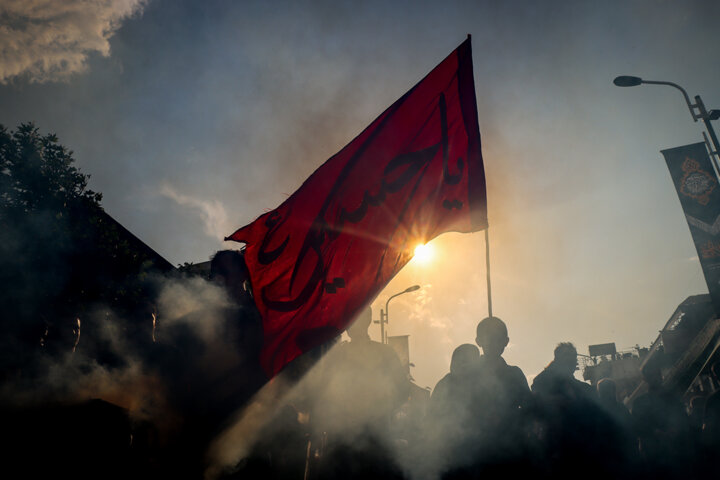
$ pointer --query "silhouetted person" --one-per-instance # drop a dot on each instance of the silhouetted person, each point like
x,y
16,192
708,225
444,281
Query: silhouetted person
x,y
507,382
209,361
696,413
570,416
242,332
710,437
244,323
228,268
280,450
710,433
619,445
356,390
662,426
607,396
451,395
696,446
450,412
558,380
711,418
696,416
499,410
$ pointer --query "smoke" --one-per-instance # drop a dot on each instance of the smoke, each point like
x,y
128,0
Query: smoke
x,y
103,363
194,302
213,213
434,331
191,364
352,404
236,442
333,416
47,40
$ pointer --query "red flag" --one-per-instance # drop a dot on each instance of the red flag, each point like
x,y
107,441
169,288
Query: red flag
x,y
331,247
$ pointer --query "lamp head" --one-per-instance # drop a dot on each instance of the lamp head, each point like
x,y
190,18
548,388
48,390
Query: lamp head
x,y
412,289
627,81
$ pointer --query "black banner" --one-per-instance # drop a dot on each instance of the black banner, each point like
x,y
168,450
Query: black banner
x,y
699,193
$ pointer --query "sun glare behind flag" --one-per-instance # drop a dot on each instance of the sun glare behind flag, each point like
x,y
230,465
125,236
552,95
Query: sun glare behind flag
x,y
324,254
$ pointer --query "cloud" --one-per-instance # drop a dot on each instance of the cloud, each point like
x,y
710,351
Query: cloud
x,y
48,40
213,213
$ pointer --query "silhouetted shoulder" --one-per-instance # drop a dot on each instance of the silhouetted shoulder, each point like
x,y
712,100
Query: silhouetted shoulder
x,y
441,386
518,377
440,395
540,382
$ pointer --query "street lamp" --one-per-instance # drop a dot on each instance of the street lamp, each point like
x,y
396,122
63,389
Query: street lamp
x,y
697,109
384,314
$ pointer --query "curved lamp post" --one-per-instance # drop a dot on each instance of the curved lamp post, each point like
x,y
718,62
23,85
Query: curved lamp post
x,y
384,313
697,109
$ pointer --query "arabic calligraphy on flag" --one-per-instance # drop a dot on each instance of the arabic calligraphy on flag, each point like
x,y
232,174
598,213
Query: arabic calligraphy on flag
x,y
324,254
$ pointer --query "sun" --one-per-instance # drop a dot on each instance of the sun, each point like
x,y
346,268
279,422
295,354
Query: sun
x,y
423,253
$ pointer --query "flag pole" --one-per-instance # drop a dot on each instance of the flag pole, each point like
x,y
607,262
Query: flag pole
x,y
487,269
487,256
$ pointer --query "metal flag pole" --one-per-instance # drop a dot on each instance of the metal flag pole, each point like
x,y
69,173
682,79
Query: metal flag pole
x,y
487,269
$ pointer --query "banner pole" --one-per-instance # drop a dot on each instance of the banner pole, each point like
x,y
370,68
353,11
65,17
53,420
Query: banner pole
x,y
487,269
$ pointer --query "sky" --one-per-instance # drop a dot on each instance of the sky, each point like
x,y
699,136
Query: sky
x,y
193,118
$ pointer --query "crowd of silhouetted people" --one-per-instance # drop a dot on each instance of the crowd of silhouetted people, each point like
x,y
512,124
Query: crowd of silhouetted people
x,y
356,414
482,420
353,412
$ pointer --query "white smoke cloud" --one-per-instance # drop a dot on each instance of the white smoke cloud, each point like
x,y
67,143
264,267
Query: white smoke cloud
x,y
196,302
213,213
49,40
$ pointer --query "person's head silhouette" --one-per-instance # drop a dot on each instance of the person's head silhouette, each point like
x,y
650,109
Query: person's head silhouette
x,y
464,359
607,390
565,358
358,329
492,336
228,268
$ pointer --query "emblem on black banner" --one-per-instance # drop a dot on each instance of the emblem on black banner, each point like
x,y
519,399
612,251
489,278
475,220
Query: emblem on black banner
x,y
696,183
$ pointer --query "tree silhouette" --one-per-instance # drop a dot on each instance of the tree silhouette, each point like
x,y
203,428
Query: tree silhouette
x,y
38,174
61,255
